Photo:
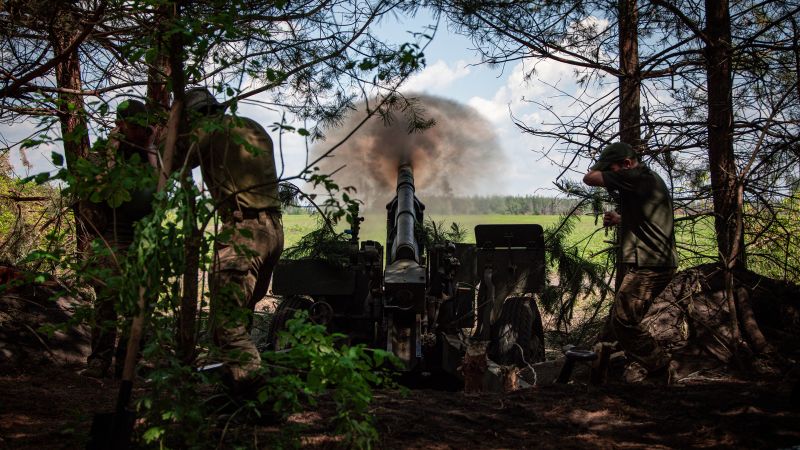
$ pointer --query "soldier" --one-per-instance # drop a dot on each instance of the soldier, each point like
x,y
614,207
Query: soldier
x,y
115,226
236,158
648,249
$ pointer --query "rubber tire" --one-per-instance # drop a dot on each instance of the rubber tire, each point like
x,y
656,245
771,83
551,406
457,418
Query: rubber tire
x,y
519,324
283,313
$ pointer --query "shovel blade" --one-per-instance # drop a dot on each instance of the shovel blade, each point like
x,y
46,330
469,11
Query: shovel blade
x,y
111,431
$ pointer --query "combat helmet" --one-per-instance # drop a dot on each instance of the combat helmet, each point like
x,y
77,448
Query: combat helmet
x,y
200,100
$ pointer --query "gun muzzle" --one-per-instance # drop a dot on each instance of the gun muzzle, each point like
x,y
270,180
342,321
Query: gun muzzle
x,y
405,246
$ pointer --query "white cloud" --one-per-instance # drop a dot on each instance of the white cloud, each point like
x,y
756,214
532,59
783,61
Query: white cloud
x,y
30,161
527,82
545,82
436,77
494,110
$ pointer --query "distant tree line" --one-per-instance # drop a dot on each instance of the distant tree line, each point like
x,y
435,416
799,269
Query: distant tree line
x,y
494,204
499,204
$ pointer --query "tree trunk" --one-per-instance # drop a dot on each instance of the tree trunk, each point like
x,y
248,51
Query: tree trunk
x,y
629,96
157,75
722,163
796,46
193,236
748,317
630,75
72,114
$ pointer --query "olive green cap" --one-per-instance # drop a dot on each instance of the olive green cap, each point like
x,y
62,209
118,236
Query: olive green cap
x,y
199,99
613,153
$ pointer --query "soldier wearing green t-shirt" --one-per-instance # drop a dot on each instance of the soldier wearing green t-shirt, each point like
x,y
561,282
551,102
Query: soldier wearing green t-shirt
x,y
647,238
236,158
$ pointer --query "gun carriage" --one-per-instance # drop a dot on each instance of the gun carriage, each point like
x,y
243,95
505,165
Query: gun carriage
x,y
427,302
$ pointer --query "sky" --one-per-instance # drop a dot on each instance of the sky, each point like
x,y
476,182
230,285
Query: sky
x,y
452,72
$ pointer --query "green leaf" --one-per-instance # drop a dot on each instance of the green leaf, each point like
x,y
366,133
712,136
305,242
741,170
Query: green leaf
x,y
153,434
57,158
42,178
30,143
118,197
150,54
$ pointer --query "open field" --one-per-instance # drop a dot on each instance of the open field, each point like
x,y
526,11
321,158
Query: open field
x,y
589,236
374,226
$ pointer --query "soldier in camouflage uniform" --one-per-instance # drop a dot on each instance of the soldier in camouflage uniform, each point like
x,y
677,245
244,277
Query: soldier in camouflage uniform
x,y
648,250
238,166
115,226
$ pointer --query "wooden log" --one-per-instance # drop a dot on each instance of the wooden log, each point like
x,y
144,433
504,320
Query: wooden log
x,y
474,367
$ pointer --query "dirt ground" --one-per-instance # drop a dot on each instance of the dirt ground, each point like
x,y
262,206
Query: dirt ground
x,y
46,404
52,407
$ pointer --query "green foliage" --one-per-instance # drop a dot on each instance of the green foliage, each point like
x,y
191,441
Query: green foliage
x,y
338,203
301,55
434,232
578,275
316,364
772,230
185,411
28,214
113,186
324,242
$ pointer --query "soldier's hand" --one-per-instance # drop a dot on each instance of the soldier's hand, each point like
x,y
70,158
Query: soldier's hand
x,y
611,218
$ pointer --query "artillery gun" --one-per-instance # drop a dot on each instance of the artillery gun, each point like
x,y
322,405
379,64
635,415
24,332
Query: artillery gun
x,y
429,301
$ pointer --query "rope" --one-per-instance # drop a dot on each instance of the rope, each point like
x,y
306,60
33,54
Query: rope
x,y
533,371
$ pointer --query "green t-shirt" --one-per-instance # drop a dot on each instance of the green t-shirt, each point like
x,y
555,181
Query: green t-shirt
x,y
238,165
648,233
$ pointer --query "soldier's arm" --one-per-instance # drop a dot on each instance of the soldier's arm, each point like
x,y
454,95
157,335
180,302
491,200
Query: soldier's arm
x,y
594,178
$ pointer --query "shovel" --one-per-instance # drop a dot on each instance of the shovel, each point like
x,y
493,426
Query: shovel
x,y
113,430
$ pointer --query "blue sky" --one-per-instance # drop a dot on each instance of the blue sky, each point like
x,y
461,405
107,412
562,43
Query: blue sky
x,y
453,72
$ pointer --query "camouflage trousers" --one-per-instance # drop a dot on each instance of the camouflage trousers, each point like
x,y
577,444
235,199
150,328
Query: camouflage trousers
x,y
639,288
242,270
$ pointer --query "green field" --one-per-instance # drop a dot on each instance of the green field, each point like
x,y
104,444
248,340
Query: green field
x,y
589,237
374,226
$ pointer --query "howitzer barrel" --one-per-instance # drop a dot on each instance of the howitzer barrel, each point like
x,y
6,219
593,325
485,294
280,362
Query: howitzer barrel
x,y
404,278
405,246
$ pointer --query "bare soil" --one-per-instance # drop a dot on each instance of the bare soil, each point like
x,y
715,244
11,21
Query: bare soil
x,y
53,407
46,404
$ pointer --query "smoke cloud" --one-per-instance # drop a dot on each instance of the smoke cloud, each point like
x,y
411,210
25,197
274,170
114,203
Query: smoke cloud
x,y
458,156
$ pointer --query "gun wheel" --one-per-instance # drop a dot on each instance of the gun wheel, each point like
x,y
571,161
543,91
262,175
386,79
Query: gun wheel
x,y
517,336
286,310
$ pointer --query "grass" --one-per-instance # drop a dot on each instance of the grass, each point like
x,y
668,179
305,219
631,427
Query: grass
x,y
374,227
694,242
